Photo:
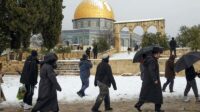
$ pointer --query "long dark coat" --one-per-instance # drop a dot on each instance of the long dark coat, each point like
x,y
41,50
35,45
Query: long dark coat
x,y
172,44
169,69
190,73
151,92
48,86
30,71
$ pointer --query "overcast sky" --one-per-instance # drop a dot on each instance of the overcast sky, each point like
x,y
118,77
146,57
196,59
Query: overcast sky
x,y
175,12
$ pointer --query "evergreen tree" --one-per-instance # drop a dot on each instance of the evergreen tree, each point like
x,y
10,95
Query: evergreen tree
x,y
189,37
102,45
26,17
52,29
4,38
151,39
22,16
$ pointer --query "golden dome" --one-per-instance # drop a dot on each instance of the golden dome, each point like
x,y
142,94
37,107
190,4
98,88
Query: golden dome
x,y
94,9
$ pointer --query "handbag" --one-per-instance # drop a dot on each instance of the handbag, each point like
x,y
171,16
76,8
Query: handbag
x,y
21,92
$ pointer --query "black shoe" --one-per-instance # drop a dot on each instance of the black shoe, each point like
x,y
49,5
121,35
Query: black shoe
x,y
108,109
93,110
83,94
138,108
163,90
80,94
172,91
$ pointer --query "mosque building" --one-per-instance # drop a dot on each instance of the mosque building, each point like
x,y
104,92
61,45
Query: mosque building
x,y
93,19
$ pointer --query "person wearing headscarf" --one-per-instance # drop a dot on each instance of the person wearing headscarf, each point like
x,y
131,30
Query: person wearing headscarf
x,y
48,86
151,86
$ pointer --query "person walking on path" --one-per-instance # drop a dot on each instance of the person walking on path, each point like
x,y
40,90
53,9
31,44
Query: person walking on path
x,y
191,83
88,52
169,74
29,78
104,78
48,86
151,86
85,65
172,45
2,97
95,51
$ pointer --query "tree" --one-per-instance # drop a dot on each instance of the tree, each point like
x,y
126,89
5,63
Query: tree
x,y
102,44
189,37
182,38
62,50
151,39
22,18
4,38
5,41
52,29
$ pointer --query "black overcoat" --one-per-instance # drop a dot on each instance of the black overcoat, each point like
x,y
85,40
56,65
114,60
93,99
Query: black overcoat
x,y
104,74
48,86
30,71
151,92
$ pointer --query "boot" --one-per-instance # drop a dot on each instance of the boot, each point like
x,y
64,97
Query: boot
x,y
81,94
108,109
197,100
95,108
171,91
137,106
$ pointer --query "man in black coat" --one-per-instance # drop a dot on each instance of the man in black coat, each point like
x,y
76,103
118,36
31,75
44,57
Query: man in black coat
x,y
104,78
151,86
191,83
48,86
172,45
29,78
88,52
95,51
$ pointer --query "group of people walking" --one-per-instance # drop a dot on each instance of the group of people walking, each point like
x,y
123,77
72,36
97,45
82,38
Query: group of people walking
x,y
48,84
151,90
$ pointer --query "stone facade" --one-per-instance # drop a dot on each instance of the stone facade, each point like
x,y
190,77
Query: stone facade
x,y
87,31
131,25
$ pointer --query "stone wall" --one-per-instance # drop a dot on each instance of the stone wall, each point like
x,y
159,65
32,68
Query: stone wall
x,y
119,67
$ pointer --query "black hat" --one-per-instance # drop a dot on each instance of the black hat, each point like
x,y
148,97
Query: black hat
x,y
34,53
157,50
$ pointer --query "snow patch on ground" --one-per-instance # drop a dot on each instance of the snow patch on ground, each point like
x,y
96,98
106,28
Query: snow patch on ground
x,y
127,88
123,55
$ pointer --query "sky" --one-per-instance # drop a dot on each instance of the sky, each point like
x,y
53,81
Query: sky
x,y
175,12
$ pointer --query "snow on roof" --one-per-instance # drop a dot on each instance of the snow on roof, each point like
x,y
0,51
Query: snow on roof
x,y
140,20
